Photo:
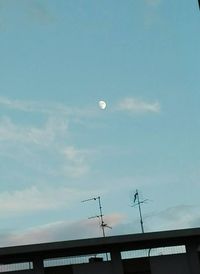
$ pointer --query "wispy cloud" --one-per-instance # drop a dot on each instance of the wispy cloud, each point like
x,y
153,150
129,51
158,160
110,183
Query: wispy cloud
x,y
30,11
153,3
19,105
77,157
151,13
40,12
129,104
34,145
45,147
42,135
35,198
138,106
177,217
60,231
47,108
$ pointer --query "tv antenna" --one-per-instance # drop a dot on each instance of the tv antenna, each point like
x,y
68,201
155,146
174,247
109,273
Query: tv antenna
x,y
137,202
103,225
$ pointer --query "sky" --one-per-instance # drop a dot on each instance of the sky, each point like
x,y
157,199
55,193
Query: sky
x,y
58,148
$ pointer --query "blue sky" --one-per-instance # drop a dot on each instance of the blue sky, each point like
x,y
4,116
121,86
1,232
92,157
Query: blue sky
x,y
57,148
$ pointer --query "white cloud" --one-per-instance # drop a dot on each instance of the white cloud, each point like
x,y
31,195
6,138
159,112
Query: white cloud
x,y
76,170
39,142
16,104
177,217
129,104
73,154
152,14
35,11
153,2
51,109
31,134
76,161
134,105
40,12
38,198
33,106
60,231
46,149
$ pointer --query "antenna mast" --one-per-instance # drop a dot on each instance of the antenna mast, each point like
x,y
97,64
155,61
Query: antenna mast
x,y
100,216
138,203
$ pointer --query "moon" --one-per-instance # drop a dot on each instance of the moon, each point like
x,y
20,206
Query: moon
x,y
102,104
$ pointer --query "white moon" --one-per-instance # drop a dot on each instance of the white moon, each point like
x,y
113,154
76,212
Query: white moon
x,y
102,104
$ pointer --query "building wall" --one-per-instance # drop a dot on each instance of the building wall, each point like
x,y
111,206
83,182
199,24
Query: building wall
x,y
165,264
93,268
67,269
171,264
134,266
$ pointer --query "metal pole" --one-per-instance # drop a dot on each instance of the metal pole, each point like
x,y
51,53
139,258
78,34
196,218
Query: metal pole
x,y
101,216
137,199
140,211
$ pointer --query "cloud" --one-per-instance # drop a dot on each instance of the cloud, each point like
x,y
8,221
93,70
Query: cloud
x,y
60,231
40,12
177,217
152,14
129,104
43,148
37,155
34,199
33,106
29,11
77,158
50,109
55,126
13,104
73,154
33,143
138,106
153,3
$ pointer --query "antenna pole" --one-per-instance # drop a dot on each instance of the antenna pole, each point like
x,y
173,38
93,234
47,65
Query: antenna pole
x,y
137,198
101,216
140,211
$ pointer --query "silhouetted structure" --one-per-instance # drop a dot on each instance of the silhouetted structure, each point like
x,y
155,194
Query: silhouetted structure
x,y
137,202
76,256
103,225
